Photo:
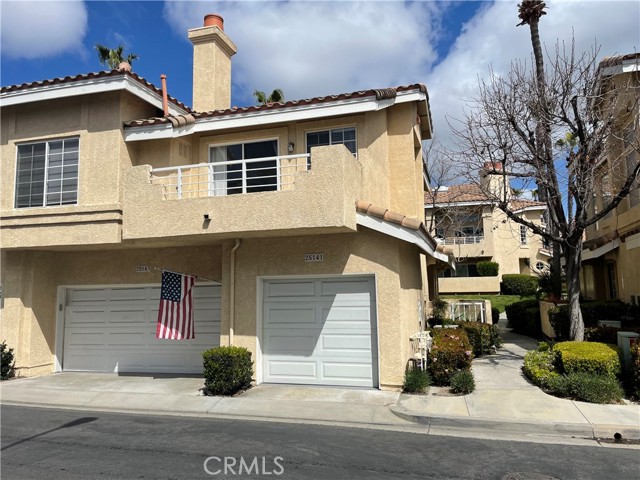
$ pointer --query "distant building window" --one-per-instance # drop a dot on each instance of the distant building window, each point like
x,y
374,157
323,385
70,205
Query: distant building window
x,y
47,173
540,266
634,194
337,136
523,235
462,270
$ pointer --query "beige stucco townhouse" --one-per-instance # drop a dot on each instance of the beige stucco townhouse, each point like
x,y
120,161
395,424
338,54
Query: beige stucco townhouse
x,y
299,219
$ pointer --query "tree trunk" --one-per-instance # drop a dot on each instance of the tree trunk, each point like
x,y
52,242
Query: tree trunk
x,y
573,257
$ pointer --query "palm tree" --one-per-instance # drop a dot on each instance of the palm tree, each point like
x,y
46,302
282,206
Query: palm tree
x,y
276,96
112,57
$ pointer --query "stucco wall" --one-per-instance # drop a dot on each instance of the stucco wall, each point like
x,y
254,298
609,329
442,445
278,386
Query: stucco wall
x,y
323,198
31,278
395,264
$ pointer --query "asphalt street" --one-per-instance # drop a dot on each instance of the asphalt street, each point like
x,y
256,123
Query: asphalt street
x,y
65,444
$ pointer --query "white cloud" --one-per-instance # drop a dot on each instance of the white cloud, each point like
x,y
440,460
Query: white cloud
x,y
41,29
319,48
492,38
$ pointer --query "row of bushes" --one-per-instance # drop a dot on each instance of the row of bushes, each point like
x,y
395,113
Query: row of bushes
x,y
524,317
585,371
483,337
518,284
628,315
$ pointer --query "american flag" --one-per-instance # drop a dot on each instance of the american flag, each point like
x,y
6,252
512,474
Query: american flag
x,y
175,314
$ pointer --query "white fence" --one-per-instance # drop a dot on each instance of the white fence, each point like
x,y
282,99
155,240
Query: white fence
x,y
229,178
467,311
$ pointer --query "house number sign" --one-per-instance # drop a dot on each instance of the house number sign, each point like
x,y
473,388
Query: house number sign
x,y
314,257
143,268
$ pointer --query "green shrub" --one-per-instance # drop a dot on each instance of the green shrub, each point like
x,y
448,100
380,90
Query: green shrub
x,y
588,357
450,352
602,334
587,387
227,370
416,381
463,382
634,371
543,346
487,269
484,338
439,309
560,319
7,363
495,315
524,317
539,368
518,284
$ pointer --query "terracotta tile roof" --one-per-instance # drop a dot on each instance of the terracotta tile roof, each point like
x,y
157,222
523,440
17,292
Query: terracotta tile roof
x,y
387,215
379,94
457,193
617,59
520,204
93,76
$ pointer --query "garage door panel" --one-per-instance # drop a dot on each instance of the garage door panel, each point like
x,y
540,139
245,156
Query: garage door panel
x,y
292,370
285,316
113,329
332,345
291,289
294,343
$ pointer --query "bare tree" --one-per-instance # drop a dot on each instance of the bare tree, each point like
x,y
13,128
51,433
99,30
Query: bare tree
x,y
580,102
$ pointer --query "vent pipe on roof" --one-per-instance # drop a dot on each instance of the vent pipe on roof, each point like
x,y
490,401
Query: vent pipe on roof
x,y
165,100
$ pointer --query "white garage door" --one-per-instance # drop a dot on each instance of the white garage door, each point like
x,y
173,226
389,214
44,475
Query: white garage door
x,y
114,330
320,332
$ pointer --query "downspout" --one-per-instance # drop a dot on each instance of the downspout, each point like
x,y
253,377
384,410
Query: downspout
x,y
232,292
165,100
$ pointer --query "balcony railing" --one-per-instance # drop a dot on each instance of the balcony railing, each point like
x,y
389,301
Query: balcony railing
x,y
470,240
230,178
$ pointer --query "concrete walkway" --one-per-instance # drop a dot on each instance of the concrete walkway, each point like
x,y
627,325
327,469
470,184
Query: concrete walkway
x,y
503,404
504,399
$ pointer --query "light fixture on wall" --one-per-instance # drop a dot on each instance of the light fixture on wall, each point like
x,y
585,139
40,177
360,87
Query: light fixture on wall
x,y
291,147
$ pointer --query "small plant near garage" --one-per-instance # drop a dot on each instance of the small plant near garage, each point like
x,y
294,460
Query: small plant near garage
x,y
462,382
7,367
227,370
450,352
416,381
585,371
439,309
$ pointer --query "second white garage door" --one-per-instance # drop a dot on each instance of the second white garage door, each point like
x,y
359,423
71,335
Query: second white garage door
x,y
114,330
320,332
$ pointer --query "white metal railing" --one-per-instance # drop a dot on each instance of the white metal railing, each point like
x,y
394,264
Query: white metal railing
x,y
470,240
230,178
467,311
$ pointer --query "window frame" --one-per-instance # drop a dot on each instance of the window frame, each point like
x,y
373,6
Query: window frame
x,y
524,240
330,130
46,142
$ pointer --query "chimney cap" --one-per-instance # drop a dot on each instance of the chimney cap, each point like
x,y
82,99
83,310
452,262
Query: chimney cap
x,y
491,166
214,20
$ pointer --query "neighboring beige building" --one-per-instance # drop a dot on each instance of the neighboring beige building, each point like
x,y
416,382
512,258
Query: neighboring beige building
x,y
285,212
611,249
464,218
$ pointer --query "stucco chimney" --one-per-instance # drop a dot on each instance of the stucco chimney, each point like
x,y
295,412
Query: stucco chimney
x,y
491,179
212,52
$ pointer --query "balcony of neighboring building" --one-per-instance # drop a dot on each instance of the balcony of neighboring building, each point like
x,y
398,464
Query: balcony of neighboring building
x,y
465,279
273,195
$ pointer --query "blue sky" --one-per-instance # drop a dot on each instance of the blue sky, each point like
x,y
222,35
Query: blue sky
x,y
308,48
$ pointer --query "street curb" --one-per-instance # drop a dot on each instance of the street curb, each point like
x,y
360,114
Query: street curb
x,y
561,429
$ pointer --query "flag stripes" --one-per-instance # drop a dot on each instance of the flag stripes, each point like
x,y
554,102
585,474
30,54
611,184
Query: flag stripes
x,y
175,313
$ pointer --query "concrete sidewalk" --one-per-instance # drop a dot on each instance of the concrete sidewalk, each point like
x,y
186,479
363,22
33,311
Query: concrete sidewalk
x,y
503,404
504,399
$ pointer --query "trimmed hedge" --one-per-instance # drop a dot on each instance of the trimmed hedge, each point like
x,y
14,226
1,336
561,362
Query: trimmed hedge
x,y
524,317
518,284
450,352
539,368
586,387
588,357
602,334
484,338
227,370
592,312
488,269
495,315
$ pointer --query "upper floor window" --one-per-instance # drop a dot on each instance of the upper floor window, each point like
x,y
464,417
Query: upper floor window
x,y
47,173
336,136
523,235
